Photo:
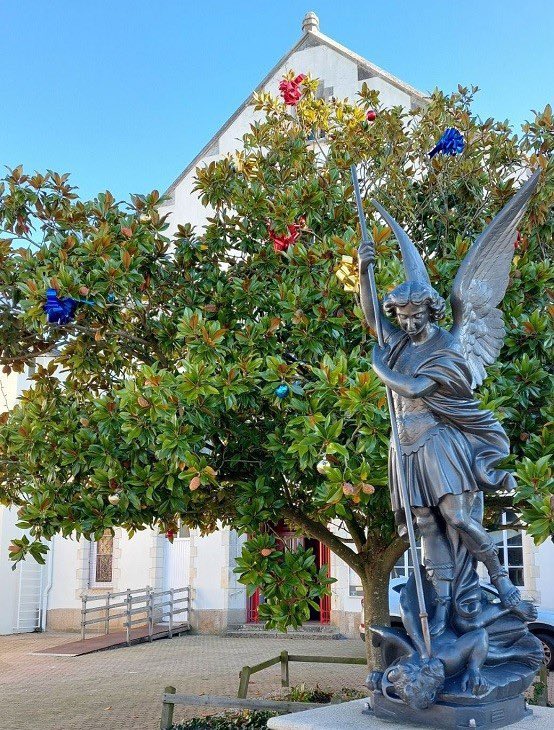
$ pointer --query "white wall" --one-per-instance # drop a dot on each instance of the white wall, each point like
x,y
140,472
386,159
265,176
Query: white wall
x,y
334,69
208,560
544,559
132,568
65,591
11,387
9,579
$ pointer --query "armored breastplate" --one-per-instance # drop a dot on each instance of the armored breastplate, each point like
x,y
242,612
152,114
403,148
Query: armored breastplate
x,y
416,422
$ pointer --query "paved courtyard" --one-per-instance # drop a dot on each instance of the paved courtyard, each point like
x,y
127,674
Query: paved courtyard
x,y
121,689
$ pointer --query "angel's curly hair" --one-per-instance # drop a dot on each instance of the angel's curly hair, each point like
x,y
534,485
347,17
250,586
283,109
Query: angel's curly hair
x,y
415,292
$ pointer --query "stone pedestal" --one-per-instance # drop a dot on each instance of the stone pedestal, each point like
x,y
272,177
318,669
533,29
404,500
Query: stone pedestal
x,y
354,716
483,716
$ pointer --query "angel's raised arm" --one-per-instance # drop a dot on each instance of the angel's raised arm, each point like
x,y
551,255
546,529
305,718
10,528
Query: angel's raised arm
x,y
481,283
366,302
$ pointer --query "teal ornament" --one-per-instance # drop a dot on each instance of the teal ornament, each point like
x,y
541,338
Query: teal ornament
x,y
281,391
110,298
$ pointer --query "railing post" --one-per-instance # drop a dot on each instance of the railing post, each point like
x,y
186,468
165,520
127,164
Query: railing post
x,y
107,621
171,595
167,710
244,680
83,616
285,669
129,605
150,612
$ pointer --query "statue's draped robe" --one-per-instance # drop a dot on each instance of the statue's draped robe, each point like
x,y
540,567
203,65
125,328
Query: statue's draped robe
x,y
461,453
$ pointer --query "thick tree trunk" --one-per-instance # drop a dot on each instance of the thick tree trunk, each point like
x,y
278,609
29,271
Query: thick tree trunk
x,y
375,583
374,571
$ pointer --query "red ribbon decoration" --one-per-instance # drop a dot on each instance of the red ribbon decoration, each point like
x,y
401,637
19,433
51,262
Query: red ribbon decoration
x,y
290,90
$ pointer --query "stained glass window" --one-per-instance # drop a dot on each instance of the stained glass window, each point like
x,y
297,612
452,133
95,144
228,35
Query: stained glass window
x,y
102,559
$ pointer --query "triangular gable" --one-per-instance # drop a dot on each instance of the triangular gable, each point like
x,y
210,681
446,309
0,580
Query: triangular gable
x,y
309,39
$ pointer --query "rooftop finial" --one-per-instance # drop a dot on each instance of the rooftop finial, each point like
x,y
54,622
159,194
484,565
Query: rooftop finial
x,y
310,22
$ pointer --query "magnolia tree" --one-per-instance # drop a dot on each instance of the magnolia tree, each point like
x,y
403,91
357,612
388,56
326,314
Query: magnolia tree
x,y
223,376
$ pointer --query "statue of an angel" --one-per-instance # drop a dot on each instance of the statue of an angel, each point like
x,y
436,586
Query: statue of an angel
x,y
450,447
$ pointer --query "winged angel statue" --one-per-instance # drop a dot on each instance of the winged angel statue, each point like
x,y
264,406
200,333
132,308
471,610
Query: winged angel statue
x,y
450,447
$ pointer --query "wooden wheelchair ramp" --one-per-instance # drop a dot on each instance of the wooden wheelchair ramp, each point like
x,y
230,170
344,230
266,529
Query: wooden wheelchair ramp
x,y
114,640
146,615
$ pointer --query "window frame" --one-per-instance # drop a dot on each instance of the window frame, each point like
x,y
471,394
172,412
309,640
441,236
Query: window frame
x,y
93,557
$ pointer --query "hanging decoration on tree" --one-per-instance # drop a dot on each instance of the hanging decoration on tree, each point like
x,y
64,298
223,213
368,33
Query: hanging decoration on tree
x,y
323,465
290,89
61,310
281,391
347,274
281,243
450,143
371,115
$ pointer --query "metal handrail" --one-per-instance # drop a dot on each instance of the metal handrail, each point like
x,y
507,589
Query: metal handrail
x,y
137,601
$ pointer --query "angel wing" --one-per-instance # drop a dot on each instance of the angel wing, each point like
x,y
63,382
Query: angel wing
x,y
481,283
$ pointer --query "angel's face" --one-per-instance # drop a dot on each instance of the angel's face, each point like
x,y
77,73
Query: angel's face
x,y
413,318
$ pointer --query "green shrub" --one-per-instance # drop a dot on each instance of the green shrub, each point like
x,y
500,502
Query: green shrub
x,y
228,721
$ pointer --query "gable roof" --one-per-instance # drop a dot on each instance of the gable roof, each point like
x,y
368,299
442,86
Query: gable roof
x,y
311,37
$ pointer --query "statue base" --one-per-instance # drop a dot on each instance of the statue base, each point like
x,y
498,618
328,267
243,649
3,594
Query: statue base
x,y
353,715
485,716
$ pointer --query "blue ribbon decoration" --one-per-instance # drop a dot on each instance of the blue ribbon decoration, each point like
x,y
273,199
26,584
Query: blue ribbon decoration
x,y
61,310
450,143
281,391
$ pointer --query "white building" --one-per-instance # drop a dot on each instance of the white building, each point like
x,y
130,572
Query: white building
x,y
50,597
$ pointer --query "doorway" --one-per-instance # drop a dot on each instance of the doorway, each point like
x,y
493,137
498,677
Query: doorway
x,y
291,539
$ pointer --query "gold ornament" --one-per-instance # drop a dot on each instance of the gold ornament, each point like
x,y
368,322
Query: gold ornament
x,y
347,273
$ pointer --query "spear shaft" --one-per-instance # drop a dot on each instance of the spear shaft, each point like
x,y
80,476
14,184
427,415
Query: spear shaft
x,y
423,615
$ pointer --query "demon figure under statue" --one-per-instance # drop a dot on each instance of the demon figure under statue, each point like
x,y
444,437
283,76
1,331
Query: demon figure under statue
x,y
463,660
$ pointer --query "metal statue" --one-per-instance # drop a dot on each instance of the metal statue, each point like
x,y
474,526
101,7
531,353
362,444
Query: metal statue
x,y
444,453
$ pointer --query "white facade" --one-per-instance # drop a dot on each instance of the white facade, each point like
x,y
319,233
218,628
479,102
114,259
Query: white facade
x,y
341,73
51,596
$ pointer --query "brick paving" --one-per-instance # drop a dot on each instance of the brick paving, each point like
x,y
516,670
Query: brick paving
x,y
122,688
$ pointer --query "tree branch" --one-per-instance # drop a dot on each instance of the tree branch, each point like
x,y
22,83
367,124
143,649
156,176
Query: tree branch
x,y
324,535
357,532
395,550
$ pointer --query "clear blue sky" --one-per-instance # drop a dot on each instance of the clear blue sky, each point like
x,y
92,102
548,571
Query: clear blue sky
x,y
123,93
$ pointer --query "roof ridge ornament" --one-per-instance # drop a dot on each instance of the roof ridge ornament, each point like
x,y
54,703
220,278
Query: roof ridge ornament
x,y
310,24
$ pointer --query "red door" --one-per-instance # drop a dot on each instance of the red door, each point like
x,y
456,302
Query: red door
x,y
323,557
325,601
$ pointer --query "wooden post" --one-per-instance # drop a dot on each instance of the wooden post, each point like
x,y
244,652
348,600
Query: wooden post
x,y
107,621
285,669
167,710
83,616
150,612
129,602
171,596
244,679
